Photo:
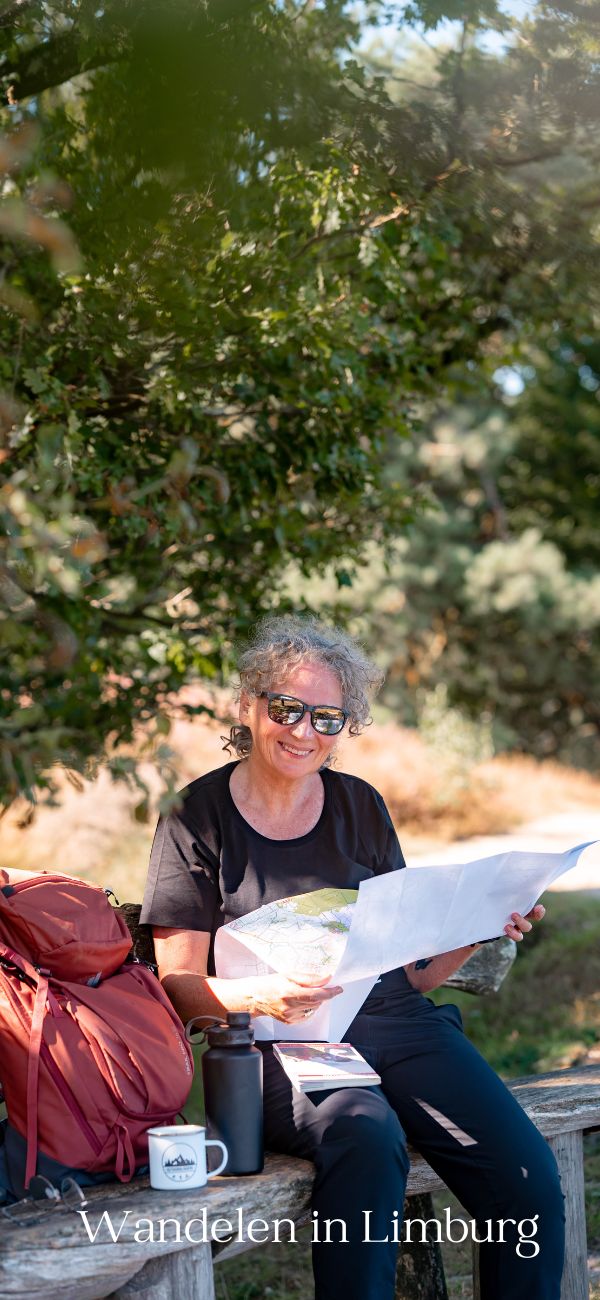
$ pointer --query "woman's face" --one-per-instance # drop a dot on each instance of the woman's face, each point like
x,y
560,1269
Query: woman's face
x,y
297,750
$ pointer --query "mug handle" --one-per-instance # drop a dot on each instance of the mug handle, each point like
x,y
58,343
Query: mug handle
x,y
214,1142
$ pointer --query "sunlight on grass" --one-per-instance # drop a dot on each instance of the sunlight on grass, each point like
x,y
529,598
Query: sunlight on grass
x,y
95,834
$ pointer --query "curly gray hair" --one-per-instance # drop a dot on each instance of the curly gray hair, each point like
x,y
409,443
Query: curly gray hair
x,y
282,642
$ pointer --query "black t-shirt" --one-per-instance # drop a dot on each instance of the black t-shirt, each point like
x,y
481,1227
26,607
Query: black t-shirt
x,y
209,866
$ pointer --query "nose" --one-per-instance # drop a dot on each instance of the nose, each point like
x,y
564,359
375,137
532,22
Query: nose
x,y
303,729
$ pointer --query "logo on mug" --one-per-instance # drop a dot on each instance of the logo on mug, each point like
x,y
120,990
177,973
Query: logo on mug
x,y
179,1162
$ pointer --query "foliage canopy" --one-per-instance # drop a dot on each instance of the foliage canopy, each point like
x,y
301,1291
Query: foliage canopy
x,y
270,267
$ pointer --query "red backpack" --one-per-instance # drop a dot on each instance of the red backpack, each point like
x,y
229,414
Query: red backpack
x,y
91,1051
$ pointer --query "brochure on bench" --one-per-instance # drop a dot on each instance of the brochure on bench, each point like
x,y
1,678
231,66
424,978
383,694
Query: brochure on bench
x,y
314,1066
354,936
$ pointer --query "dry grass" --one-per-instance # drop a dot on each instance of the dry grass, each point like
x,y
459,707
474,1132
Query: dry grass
x,y
94,833
428,806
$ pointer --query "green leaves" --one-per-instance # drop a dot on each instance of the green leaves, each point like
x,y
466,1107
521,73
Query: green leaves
x,y
282,268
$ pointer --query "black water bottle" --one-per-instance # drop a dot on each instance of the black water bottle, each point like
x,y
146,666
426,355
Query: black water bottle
x,y
232,1075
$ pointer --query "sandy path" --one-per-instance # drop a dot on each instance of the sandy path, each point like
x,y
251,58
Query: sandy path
x,y
552,834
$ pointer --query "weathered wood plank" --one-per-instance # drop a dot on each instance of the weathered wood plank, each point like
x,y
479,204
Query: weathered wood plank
x,y
563,1101
55,1256
56,1248
568,1150
182,1275
88,1274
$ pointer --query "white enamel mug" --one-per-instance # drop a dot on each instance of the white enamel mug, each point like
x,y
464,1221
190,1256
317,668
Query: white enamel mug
x,y
178,1156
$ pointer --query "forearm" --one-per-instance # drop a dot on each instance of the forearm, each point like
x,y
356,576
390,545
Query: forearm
x,y
272,995
435,970
201,995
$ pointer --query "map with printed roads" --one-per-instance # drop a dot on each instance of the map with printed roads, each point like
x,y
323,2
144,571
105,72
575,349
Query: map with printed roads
x,y
305,934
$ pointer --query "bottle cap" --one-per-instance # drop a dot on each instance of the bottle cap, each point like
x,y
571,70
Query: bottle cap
x,y
236,1033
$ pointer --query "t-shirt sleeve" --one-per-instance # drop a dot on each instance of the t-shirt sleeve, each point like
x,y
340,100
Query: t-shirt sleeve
x,y
182,889
389,856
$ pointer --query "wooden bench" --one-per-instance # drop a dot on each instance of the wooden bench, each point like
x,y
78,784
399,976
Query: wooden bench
x,y
46,1248
53,1257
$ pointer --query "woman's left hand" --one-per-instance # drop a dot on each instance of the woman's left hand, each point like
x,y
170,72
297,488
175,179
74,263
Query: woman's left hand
x,y
520,925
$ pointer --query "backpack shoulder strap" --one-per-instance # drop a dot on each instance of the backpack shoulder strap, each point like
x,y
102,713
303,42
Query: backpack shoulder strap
x,y
33,1068
10,958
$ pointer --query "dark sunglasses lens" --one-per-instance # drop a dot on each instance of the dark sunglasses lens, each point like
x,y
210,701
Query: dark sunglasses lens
x,y
285,711
328,721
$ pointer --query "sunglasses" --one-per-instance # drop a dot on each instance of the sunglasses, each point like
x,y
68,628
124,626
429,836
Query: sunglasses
x,y
287,711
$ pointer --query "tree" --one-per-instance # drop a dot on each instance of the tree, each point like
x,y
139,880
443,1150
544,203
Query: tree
x,y
493,595
278,263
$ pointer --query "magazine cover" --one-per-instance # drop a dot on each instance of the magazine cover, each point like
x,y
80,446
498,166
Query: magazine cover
x,y
314,1066
299,604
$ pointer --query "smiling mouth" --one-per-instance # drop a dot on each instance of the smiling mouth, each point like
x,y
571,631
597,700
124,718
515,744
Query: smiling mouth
x,y
290,749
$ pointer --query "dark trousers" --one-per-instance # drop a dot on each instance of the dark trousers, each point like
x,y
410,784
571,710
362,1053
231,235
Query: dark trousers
x,y
438,1093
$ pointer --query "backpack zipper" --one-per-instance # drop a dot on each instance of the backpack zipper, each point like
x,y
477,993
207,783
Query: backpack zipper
x,y
68,1097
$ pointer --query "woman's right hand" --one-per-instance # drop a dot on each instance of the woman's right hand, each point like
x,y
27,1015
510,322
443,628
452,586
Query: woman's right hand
x,y
288,1000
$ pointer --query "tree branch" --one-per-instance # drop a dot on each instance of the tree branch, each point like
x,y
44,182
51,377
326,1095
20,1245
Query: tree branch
x,y
10,12
67,55
22,605
371,222
496,503
542,154
57,61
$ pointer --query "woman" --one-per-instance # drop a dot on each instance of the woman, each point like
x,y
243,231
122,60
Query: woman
x,y
276,822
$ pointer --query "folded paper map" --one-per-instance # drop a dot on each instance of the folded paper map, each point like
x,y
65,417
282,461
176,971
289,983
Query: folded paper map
x,y
354,936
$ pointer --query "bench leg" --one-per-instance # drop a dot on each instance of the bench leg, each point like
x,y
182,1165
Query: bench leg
x,y
475,1269
420,1271
568,1150
180,1275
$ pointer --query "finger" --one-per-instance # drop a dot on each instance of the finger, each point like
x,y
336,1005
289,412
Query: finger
x,y
326,991
291,1015
309,981
537,912
299,1014
518,925
311,999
